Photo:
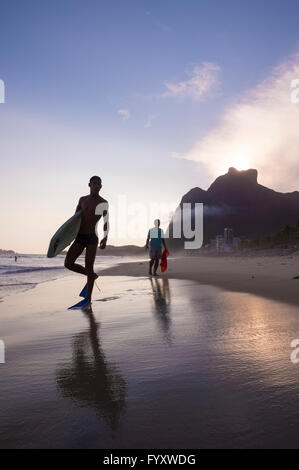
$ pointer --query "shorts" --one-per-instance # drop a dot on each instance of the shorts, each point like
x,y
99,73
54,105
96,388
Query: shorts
x,y
155,253
87,239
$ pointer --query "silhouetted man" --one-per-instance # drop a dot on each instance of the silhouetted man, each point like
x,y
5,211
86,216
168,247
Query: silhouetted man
x,y
93,208
156,238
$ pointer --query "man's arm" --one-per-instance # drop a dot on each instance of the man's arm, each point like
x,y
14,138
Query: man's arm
x,y
163,241
78,208
147,240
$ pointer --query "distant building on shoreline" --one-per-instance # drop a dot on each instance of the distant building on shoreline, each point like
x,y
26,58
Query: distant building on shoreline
x,y
228,236
225,242
236,242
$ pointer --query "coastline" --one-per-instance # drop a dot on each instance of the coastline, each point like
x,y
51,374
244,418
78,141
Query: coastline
x,y
33,270
266,276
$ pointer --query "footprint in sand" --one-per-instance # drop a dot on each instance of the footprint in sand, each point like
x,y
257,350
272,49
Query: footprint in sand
x,y
106,299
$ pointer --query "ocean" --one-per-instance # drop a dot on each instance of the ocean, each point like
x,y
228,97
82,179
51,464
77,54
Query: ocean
x,y
30,270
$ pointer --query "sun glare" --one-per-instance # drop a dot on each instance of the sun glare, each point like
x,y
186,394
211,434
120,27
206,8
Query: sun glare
x,y
239,163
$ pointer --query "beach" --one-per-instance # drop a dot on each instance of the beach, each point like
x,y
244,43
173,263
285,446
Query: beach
x,y
263,275
157,363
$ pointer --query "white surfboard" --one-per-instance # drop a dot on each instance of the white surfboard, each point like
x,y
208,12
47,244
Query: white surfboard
x,y
64,235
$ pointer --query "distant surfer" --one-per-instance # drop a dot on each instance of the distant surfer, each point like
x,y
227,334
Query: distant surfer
x,y
93,208
16,258
154,241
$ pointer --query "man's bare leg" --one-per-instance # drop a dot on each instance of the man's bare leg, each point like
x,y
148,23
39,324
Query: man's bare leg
x,y
74,252
156,266
91,251
151,263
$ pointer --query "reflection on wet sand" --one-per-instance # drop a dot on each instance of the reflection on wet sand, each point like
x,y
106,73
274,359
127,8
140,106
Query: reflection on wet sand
x,y
224,380
162,301
91,380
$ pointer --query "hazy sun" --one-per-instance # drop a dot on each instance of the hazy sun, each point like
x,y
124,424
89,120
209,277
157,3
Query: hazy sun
x,y
239,163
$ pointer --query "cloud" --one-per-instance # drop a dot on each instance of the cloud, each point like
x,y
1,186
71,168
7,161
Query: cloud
x,y
259,131
158,24
202,79
149,121
125,113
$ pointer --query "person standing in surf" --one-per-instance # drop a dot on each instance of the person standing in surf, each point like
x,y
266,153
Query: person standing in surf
x,y
156,238
93,207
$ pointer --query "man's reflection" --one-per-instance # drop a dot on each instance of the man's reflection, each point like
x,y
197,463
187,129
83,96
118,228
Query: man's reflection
x,y
90,379
162,300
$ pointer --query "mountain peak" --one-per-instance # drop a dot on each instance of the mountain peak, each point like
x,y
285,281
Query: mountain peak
x,y
234,180
236,200
234,185
195,194
250,175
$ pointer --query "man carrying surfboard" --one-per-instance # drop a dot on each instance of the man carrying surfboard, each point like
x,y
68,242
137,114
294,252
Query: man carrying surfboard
x,y
92,208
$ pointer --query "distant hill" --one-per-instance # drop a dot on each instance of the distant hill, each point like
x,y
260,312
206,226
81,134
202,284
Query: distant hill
x,y
238,201
7,252
126,250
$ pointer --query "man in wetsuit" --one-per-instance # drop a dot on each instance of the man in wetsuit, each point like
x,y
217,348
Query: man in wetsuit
x,y
93,208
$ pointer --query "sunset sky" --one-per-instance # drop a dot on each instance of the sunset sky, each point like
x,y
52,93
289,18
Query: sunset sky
x,y
156,97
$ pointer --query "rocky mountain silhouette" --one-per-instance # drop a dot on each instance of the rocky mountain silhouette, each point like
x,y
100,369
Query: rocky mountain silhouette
x,y
238,201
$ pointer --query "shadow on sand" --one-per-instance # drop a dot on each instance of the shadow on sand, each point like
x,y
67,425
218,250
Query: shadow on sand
x,y
91,380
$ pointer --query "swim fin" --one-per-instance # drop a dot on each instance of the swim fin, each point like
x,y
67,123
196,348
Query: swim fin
x,y
82,304
83,291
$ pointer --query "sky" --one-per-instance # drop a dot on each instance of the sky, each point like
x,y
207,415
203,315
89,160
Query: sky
x,y
156,97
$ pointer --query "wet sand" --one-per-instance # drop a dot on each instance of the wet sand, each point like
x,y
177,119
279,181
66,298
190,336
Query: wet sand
x,y
159,363
270,277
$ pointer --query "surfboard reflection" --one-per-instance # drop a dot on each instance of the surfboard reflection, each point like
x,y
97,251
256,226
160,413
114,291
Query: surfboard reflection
x,y
162,301
91,380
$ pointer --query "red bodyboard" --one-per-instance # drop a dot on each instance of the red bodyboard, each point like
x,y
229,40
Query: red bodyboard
x,y
163,263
